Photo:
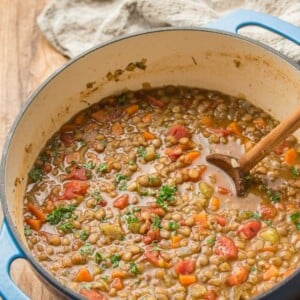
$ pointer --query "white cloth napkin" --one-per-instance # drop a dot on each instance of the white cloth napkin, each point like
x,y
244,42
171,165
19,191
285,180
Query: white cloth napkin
x,y
73,26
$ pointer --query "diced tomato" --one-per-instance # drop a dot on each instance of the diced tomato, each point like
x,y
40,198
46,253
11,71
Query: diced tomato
x,y
155,102
239,276
267,211
220,131
221,220
154,258
223,190
73,189
225,246
178,131
174,152
153,235
154,209
250,229
67,138
185,267
121,202
210,295
92,295
78,174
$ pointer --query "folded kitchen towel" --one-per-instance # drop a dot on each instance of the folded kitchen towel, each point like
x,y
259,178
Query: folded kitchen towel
x,y
73,26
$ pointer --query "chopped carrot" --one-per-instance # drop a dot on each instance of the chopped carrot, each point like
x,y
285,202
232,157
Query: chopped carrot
x,y
290,156
131,109
186,280
80,119
175,241
206,121
83,275
48,206
221,220
117,129
34,224
214,204
118,274
148,136
288,272
201,219
36,212
271,272
260,123
117,284
147,118
100,116
239,275
68,127
191,156
234,127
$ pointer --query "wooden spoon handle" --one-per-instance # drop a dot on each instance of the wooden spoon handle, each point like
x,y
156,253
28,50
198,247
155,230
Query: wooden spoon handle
x,y
266,145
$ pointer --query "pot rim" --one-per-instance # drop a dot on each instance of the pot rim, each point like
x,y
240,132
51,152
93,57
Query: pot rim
x,y
6,214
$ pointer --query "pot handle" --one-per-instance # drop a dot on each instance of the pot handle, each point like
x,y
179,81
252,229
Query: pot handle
x,y
241,18
9,251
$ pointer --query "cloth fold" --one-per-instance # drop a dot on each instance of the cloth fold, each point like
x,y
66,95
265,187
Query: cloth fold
x,y
73,26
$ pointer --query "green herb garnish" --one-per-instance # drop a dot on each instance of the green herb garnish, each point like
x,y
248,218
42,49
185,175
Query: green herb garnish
x,y
295,171
87,249
173,225
102,168
166,194
36,174
27,230
89,165
295,218
65,227
156,223
60,213
96,195
133,268
211,241
115,260
141,151
98,258
84,235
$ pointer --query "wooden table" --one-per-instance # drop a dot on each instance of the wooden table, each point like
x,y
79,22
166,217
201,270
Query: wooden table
x,y
26,59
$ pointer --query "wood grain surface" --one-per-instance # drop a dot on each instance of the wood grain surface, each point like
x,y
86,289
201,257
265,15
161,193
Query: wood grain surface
x,y
26,60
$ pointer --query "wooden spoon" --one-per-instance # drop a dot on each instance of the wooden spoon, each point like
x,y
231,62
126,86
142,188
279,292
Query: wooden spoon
x,y
238,168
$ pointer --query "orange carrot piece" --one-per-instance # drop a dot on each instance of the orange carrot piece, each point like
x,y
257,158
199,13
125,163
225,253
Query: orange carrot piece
x,y
147,118
206,121
118,274
186,280
175,241
271,272
83,275
80,119
131,109
191,156
234,127
117,284
100,116
148,136
34,224
117,129
290,156
201,219
239,275
214,204
36,212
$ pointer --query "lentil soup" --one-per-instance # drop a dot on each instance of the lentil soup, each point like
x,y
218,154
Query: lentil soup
x,y
121,203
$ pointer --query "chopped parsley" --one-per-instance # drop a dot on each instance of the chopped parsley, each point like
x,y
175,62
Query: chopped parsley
x,y
295,171
27,230
295,218
96,195
122,99
87,249
273,195
102,168
256,215
156,223
60,213
133,268
166,194
115,260
211,241
89,165
65,227
120,179
84,235
98,258
141,151
173,225
36,174
131,218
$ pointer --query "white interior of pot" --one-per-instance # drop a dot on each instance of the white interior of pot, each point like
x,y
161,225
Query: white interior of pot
x,y
183,57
